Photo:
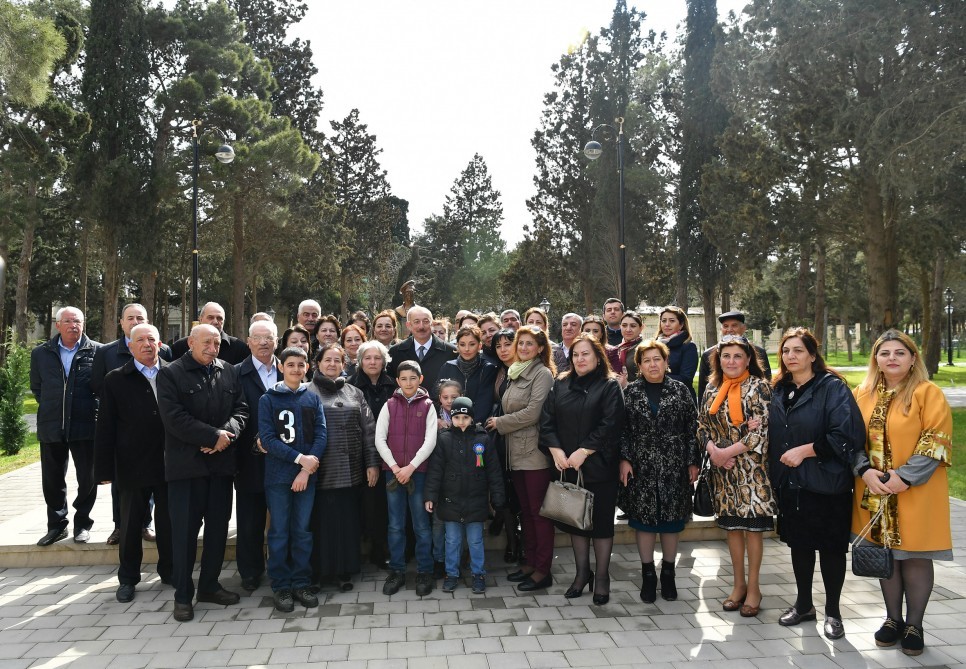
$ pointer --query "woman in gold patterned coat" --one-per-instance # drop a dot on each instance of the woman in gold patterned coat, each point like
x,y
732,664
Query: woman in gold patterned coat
x,y
733,429
907,453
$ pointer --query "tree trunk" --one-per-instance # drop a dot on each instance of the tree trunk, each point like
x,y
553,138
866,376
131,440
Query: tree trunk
x,y
710,318
85,265
238,320
23,272
725,291
925,293
149,283
933,344
882,257
801,285
821,313
345,285
112,263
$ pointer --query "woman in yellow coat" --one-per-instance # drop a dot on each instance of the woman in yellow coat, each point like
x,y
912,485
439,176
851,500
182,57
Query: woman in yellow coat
x,y
908,449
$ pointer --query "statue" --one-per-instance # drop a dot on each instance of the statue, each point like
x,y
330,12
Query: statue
x,y
408,292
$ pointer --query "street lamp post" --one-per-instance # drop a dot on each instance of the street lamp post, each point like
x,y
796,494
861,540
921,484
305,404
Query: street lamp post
x,y
593,150
949,327
545,305
225,154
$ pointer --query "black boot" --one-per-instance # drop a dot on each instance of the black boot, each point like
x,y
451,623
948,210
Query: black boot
x,y
649,584
669,591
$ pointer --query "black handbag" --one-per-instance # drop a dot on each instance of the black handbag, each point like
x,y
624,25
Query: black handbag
x,y
569,504
703,504
868,559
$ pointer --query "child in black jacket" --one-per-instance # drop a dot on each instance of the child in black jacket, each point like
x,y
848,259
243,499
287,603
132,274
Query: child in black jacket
x,y
462,479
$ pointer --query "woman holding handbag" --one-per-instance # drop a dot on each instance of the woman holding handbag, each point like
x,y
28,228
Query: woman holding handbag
x,y
660,459
531,376
907,450
814,431
581,426
733,429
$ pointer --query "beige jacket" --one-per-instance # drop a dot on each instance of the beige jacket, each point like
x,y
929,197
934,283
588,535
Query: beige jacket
x,y
520,422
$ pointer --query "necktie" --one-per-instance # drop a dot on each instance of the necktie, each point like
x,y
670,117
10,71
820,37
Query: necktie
x,y
421,352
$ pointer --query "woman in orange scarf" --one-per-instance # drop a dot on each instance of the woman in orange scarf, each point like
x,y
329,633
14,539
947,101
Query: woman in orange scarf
x,y
906,455
733,429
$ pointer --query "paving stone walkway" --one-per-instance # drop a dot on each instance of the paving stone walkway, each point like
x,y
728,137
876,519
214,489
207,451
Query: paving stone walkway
x,y
68,617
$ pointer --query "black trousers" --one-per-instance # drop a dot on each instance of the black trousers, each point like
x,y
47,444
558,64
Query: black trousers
x,y
133,507
116,507
375,519
191,501
53,468
250,543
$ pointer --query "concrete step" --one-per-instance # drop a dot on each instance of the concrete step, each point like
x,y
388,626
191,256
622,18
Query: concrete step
x,y
67,553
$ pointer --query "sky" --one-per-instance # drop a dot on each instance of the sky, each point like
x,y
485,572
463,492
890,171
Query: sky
x,y
437,81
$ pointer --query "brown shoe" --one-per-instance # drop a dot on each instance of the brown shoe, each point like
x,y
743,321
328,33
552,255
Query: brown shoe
x,y
732,604
114,538
748,611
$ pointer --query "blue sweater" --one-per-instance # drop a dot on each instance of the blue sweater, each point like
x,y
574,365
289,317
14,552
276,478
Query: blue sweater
x,y
289,423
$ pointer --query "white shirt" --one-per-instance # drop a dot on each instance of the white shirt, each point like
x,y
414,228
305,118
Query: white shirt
x,y
267,373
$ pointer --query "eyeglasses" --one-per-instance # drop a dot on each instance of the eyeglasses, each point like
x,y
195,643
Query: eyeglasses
x,y
263,339
66,321
733,339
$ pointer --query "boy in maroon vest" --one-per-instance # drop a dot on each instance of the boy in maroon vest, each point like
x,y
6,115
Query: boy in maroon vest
x,y
405,438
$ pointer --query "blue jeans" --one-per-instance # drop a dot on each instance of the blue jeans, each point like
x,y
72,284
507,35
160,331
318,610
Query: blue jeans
x,y
439,539
289,536
399,500
454,547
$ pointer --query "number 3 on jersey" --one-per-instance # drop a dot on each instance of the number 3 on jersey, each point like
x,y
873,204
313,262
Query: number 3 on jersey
x,y
286,426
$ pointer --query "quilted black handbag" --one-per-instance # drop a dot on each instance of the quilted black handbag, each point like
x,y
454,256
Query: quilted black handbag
x,y
703,504
868,559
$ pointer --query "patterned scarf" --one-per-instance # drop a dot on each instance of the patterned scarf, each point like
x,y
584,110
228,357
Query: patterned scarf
x,y
886,531
731,388
623,349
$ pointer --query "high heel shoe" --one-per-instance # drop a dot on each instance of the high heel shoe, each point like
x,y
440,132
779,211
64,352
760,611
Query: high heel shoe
x,y
601,598
575,591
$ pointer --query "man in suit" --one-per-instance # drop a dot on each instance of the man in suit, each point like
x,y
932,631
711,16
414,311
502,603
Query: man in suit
x,y
203,410
613,313
231,349
257,373
129,452
60,379
109,357
422,346
733,323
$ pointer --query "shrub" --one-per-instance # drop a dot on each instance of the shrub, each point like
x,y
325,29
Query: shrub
x,y
14,385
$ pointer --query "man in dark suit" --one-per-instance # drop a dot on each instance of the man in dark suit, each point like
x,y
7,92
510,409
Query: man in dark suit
x,y
733,323
231,349
613,313
258,372
60,379
203,410
129,452
109,357
422,346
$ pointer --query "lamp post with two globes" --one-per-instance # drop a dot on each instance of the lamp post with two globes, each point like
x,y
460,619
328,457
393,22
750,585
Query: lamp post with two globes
x,y
225,154
593,150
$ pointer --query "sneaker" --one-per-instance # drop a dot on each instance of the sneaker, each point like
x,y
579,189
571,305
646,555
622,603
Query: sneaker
x,y
394,582
888,634
479,584
450,583
912,641
305,597
284,601
424,584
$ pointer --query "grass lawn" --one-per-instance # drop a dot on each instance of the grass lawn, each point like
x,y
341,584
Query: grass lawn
x,y
30,405
957,473
28,455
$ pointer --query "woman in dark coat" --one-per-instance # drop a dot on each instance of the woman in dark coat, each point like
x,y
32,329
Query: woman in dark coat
x,y
814,430
581,424
501,350
682,361
621,357
377,387
350,462
660,460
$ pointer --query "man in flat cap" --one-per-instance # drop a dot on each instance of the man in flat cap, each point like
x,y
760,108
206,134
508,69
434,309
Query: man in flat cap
x,y
732,323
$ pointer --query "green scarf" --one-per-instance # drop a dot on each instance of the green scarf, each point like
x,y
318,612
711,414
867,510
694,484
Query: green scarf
x,y
517,368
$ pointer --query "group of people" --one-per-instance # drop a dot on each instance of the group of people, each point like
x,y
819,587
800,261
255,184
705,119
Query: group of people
x,y
350,436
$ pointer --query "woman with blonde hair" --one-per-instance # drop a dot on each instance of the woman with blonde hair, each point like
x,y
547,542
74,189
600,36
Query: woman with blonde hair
x,y
902,471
